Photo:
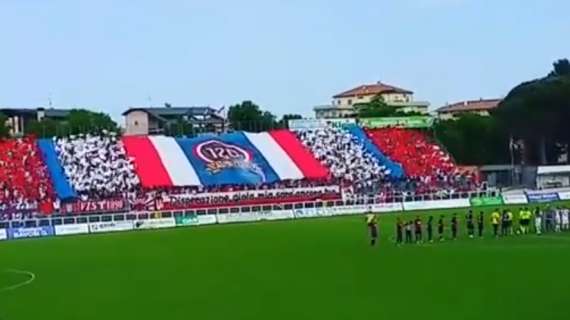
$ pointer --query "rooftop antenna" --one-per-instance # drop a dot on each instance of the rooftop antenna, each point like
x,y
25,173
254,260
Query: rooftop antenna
x,y
149,99
49,100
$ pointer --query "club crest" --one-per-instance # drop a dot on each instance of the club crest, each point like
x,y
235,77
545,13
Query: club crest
x,y
220,155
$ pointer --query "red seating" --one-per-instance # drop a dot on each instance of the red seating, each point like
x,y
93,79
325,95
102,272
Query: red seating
x,y
24,179
420,158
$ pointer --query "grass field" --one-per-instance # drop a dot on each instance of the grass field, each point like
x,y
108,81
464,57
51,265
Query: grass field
x,y
310,269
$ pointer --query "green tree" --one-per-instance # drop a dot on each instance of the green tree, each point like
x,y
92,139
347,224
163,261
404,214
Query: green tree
x,y
284,122
4,130
538,112
248,116
376,108
76,122
85,121
474,140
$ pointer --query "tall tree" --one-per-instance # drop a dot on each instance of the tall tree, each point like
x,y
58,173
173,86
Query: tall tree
x,y
376,108
538,112
4,130
77,121
248,116
474,140
284,122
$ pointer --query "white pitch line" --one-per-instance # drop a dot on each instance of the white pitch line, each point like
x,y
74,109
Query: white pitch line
x,y
31,278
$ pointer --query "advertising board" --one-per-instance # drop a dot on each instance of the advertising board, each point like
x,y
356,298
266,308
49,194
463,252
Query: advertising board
x,y
161,223
3,234
111,226
542,197
514,199
237,217
69,229
20,233
436,204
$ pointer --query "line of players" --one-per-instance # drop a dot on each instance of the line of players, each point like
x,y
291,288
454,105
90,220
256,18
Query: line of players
x,y
552,220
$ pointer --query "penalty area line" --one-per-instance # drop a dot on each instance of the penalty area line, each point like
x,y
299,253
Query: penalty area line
x,y
31,278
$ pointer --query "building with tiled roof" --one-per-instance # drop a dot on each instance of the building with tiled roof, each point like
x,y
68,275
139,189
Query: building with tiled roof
x,y
155,120
343,103
481,107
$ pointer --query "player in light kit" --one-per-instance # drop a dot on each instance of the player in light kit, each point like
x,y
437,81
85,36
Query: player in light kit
x,y
557,219
565,219
538,221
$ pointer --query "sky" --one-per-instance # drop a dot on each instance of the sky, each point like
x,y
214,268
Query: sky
x,y
287,56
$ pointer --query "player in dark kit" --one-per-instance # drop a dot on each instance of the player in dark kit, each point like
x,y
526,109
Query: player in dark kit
x,y
454,226
418,230
408,228
372,223
481,223
441,228
470,224
399,231
430,228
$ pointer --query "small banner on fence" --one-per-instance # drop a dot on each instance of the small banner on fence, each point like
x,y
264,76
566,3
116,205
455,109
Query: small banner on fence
x,y
400,122
486,201
3,234
19,233
542,197
69,229
188,220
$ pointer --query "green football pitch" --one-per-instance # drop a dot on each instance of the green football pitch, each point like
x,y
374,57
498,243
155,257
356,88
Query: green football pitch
x,y
302,269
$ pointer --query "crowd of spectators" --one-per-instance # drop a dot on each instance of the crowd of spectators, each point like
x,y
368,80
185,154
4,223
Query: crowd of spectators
x,y
97,166
346,158
25,185
427,166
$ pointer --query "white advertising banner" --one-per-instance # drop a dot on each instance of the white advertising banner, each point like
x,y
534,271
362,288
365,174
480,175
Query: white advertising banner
x,y
3,234
305,213
387,207
437,204
69,229
276,215
207,219
111,226
237,217
155,224
564,195
304,124
515,199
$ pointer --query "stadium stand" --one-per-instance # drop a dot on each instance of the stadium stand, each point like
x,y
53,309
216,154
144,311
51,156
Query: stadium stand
x,y
423,160
347,159
24,180
96,166
107,173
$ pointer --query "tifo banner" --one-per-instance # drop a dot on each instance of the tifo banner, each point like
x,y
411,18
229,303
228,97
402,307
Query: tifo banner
x,y
227,159
437,204
160,223
238,217
307,124
402,122
111,226
564,195
515,199
95,206
19,233
276,215
486,201
69,229
207,219
3,234
542,197
187,220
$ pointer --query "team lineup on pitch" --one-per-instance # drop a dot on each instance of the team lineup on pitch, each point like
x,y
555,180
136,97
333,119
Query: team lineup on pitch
x,y
259,271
